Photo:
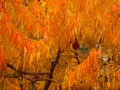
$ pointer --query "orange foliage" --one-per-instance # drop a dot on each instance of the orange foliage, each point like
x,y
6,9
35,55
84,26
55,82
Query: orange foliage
x,y
33,31
85,74
2,59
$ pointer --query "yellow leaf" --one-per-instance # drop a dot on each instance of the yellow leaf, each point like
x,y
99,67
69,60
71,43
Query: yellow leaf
x,y
30,61
37,57
108,84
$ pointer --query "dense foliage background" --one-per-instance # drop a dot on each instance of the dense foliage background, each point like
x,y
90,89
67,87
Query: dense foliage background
x,y
59,44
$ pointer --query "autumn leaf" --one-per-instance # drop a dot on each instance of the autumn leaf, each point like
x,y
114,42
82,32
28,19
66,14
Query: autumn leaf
x,y
2,59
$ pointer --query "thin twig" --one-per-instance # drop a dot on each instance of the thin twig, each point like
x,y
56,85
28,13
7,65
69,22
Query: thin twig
x,y
24,72
40,79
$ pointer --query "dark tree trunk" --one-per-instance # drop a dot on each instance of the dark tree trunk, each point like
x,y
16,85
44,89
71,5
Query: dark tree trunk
x,y
52,68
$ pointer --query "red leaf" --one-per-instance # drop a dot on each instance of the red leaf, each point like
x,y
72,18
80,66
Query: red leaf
x,y
75,44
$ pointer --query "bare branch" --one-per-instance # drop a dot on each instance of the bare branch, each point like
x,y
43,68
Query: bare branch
x,y
24,72
52,68
40,79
